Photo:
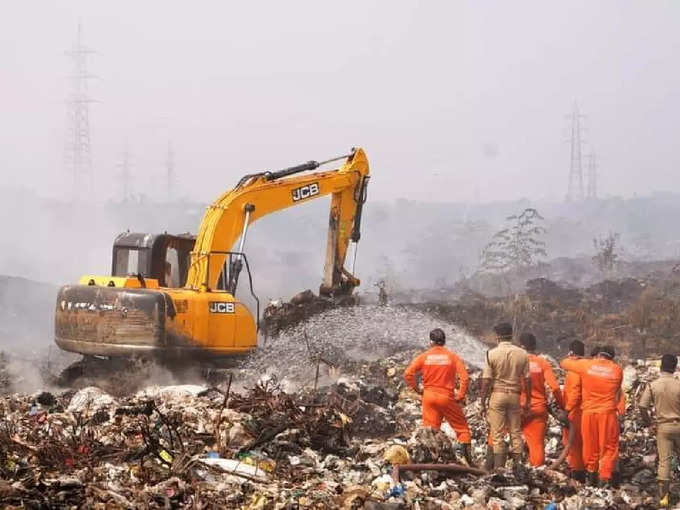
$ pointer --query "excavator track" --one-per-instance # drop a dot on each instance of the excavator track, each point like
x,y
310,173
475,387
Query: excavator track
x,y
119,375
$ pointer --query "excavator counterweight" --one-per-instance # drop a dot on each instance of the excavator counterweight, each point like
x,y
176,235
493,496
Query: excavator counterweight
x,y
177,296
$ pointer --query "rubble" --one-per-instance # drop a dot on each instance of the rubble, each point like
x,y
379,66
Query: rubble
x,y
260,447
319,417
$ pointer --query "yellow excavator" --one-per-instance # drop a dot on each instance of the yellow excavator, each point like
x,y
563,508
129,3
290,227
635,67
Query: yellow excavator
x,y
175,296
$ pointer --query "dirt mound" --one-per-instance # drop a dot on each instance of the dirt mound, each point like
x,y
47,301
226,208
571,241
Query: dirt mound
x,y
342,336
279,316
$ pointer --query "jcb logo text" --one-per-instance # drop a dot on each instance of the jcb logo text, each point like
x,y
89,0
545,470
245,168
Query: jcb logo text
x,y
220,307
305,191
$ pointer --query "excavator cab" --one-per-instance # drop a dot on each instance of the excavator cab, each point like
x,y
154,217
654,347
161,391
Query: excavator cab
x,y
162,257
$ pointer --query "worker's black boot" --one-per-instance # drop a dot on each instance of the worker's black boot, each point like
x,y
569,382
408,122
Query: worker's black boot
x,y
579,476
517,464
605,484
664,494
591,479
488,460
498,461
467,454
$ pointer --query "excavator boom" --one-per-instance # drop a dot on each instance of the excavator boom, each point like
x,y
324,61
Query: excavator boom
x,y
257,195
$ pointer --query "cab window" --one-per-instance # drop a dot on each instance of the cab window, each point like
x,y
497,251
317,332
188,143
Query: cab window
x,y
172,276
130,261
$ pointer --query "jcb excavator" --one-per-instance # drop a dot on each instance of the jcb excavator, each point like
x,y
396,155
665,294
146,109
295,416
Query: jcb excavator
x,y
176,296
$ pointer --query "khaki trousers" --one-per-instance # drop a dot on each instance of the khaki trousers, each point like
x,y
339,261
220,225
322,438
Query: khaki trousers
x,y
667,438
504,414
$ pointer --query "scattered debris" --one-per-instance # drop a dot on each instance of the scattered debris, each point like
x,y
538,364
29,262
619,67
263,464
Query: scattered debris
x,y
320,418
355,443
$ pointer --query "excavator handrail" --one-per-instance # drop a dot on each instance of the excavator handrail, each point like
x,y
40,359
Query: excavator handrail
x,y
250,277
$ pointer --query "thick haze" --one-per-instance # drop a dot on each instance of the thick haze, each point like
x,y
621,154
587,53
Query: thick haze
x,y
453,101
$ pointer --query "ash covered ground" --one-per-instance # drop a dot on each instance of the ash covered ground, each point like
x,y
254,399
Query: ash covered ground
x,y
272,433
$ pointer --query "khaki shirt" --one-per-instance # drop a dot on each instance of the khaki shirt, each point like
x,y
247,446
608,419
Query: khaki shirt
x,y
506,365
665,393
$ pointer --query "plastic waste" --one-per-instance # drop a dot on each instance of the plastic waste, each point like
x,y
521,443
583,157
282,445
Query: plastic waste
x,y
396,491
237,467
163,454
258,460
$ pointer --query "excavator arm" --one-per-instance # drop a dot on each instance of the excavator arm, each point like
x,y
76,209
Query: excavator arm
x,y
257,195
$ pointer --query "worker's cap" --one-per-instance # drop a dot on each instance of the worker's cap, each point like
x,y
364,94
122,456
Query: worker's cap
x,y
607,351
503,330
437,336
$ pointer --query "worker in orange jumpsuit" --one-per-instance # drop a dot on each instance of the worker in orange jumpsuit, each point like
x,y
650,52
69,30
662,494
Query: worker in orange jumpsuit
x,y
600,393
620,412
535,423
440,368
572,405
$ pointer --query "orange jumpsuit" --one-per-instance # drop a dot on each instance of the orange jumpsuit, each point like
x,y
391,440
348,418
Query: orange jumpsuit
x,y
440,368
600,394
572,404
621,405
535,425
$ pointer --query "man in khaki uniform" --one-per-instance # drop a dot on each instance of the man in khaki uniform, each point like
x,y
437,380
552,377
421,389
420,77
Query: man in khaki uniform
x,y
664,393
505,372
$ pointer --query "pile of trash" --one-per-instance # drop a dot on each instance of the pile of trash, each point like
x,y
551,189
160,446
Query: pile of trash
x,y
249,444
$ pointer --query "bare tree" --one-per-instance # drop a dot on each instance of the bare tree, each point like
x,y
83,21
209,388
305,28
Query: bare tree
x,y
517,246
606,255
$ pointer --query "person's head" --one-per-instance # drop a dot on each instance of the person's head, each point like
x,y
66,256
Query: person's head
x,y
528,341
595,351
437,336
668,363
607,352
503,331
577,348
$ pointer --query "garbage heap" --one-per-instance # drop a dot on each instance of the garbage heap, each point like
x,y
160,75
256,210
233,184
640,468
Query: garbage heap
x,y
261,447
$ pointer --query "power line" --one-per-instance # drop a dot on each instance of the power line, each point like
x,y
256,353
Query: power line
x,y
170,171
591,193
575,189
125,174
78,149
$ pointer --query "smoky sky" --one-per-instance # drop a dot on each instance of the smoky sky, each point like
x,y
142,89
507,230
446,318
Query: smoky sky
x,y
453,101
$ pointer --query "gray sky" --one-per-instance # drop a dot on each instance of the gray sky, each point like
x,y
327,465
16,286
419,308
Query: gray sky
x,y
446,97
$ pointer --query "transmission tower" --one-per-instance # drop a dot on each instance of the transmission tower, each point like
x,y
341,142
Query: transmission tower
x,y
170,171
125,174
591,193
78,154
575,190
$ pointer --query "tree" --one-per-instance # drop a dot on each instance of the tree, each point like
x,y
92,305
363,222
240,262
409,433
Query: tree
x,y
606,257
517,246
